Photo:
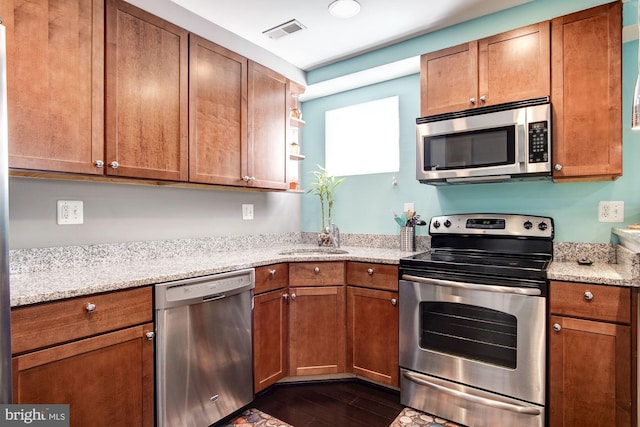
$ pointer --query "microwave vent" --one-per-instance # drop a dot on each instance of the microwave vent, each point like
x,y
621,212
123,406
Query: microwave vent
x,y
285,29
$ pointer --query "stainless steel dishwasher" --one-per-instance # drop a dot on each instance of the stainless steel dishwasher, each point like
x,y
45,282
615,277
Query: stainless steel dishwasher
x,y
204,367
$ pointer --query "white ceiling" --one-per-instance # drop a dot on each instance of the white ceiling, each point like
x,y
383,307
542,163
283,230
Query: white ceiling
x,y
327,39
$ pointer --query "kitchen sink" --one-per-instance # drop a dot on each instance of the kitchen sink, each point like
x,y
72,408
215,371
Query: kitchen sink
x,y
314,251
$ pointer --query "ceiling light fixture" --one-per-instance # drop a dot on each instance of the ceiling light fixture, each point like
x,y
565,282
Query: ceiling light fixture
x,y
344,8
635,109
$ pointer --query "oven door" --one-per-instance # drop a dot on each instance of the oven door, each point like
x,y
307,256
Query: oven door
x,y
489,337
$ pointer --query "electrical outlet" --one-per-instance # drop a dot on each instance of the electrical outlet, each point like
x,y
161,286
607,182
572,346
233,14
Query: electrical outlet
x,y
611,211
409,207
247,211
70,212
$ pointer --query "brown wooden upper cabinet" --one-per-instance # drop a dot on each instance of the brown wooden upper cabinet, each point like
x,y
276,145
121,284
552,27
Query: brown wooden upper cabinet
x,y
586,94
511,66
217,114
55,84
146,95
268,127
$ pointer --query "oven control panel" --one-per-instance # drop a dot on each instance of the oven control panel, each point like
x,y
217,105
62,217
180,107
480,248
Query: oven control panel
x,y
493,224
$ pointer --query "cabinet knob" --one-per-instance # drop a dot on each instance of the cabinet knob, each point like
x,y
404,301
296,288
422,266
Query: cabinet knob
x,y
99,164
394,301
472,100
248,178
90,307
370,271
114,165
588,296
285,296
557,327
293,296
558,167
150,335
483,98
272,273
316,270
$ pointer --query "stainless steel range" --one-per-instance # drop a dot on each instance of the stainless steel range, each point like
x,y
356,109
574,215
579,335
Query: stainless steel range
x,y
473,320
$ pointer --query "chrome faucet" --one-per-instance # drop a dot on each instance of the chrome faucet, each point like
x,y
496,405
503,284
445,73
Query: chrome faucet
x,y
335,236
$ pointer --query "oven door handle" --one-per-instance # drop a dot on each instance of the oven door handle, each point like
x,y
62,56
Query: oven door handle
x,y
472,286
520,409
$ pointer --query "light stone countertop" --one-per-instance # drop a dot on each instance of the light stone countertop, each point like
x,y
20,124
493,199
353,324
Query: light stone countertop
x,y
42,286
598,273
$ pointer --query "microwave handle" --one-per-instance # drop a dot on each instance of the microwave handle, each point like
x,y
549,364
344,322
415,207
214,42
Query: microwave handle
x,y
521,144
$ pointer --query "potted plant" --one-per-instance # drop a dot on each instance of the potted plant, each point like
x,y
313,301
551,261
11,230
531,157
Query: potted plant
x,y
324,186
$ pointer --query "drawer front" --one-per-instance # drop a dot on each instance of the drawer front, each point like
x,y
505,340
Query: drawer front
x,y
44,325
271,277
323,273
597,302
377,276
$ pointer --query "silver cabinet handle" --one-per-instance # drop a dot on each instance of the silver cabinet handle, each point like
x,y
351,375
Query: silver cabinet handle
x,y
558,167
99,164
114,165
483,98
248,178
316,270
253,178
557,327
293,296
370,272
588,296
394,301
472,100
90,307
285,296
150,335
272,273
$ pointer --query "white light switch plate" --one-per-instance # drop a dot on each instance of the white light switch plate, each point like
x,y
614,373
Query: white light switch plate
x,y
247,211
70,212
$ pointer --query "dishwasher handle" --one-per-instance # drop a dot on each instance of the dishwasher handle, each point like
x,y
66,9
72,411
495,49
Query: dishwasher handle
x,y
213,297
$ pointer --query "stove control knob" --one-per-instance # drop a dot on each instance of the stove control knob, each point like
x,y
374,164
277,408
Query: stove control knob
x,y
543,226
528,225
447,223
436,224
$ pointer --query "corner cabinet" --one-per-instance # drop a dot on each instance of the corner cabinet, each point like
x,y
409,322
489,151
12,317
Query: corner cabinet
x,y
510,66
146,95
55,84
317,318
591,355
94,353
586,94
268,125
270,325
372,322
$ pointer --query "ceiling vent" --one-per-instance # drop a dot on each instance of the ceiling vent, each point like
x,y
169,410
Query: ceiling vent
x,y
285,29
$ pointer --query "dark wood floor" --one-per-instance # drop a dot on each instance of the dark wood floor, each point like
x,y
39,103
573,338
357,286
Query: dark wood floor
x,y
342,403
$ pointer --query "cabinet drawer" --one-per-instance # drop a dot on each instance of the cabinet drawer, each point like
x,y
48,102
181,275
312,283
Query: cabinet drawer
x,y
378,276
317,273
598,302
271,277
57,322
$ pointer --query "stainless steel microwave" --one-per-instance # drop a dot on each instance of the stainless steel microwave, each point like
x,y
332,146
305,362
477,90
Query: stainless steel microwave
x,y
488,144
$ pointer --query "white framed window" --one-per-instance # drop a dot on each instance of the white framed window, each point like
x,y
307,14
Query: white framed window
x,y
363,138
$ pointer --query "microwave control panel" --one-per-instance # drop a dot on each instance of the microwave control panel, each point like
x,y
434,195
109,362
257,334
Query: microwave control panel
x,y
539,142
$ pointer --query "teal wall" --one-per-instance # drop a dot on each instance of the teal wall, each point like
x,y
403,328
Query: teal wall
x,y
364,204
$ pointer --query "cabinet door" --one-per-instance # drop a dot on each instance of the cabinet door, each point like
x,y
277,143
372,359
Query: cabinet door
x,y
146,89
449,79
268,118
515,65
317,330
270,347
372,334
217,114
107,380
586,94
55,84
589,373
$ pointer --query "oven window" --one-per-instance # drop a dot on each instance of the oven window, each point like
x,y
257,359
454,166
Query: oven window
x,y
487,147
469,331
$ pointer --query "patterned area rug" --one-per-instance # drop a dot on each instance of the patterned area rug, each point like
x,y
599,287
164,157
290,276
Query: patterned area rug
x,y
411,418
256,418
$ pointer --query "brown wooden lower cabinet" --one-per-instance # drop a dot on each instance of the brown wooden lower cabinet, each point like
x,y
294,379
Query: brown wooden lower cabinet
x,y
372,334
107,380
592,355
270,346
317,330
